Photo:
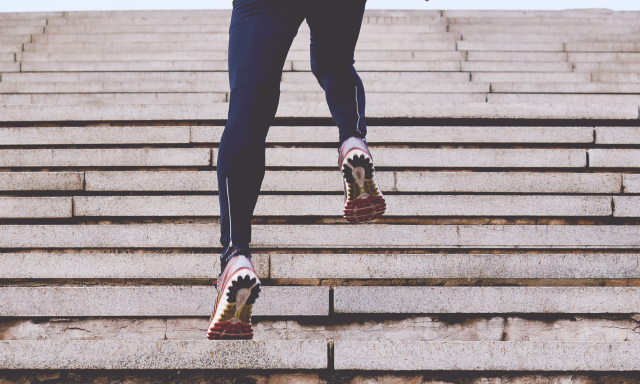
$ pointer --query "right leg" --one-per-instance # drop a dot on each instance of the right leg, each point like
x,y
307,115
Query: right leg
x,y
260,36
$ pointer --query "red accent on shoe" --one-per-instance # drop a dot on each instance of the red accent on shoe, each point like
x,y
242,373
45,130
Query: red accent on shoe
x,y
228,330
364,209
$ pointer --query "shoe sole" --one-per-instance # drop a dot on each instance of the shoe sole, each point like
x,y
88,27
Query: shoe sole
x,y
237,321
358,209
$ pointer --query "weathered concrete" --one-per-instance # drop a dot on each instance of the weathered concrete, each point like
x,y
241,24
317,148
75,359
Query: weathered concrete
x,y
24,22
13,48
535,14
117,157
109,236
487,356
486,299
505,205
10,67
61,99
412,327
217,111
534,77
116,66
21,30
606,67
631,183
448,236
455,266
118,265
147,206
514,56
616,77
7,57
12,113
319,205
626,206
41,181
35,207
565,88
604,57
151,181
544,30
110,77
429,157
189,328
609,46
501,46
153,301
507,98
95,135
323,236
569,35
377,134
163,354
124,37
122,56
515,66
614,158
578,328
520,182
330,181
58,87
617,135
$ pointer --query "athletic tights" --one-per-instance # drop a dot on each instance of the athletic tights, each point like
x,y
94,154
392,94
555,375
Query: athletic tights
x,y
260,36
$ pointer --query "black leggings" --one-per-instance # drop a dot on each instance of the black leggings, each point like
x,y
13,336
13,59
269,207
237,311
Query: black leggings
x,y
260,36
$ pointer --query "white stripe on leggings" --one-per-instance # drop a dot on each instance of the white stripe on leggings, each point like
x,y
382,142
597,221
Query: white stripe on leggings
x,y
358,112
230,227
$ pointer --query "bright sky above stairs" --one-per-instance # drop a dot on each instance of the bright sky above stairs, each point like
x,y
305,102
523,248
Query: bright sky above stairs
x,y
104,5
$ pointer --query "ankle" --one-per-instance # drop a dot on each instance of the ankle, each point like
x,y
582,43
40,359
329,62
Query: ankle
x,y
230,253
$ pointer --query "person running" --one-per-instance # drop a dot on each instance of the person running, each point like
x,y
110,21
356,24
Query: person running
x,y
260,36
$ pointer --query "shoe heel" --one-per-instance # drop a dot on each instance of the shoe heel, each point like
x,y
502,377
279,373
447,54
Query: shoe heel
x,y
235,322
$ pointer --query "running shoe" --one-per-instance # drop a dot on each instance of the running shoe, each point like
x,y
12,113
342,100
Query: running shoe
x,y
363,199
238,288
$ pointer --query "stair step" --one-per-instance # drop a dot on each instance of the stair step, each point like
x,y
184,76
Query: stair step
x,y
329,181
118,265
324,266
631,183
487,299
152,301
318,205
218,111
486,356
455,266
103,157
614,158
165,354
430,157
41,181
324,236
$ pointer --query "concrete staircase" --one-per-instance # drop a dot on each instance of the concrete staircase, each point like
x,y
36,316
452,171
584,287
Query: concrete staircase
x,y
507,143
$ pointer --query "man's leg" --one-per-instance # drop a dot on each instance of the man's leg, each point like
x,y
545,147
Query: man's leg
x,y
260,36
335,27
